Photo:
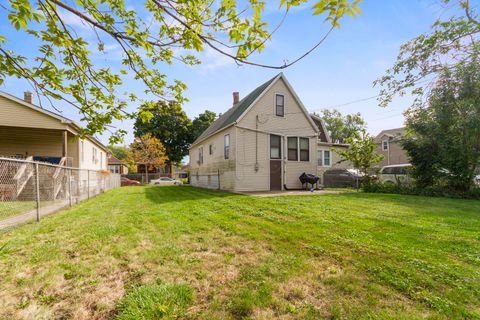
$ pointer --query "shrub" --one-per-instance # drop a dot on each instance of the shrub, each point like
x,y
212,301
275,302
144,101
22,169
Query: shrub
x,y
436,191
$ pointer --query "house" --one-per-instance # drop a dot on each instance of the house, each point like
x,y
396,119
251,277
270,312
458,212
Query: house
x,y
389,145
115,165
265,141
30,132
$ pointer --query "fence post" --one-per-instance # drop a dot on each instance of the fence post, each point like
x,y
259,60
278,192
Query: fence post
x,y
88,184
37,191
70,186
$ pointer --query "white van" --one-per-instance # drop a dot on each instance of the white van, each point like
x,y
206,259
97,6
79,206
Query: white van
x,y
398,173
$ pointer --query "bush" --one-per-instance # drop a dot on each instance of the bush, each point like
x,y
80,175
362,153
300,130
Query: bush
x,y
377,187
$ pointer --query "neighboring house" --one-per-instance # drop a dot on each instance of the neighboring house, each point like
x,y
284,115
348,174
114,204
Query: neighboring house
x,y
388,144
30,132
263,142
116,166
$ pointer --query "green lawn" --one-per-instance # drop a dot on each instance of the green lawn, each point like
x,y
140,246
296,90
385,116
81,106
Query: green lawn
x,y
13,208
187,253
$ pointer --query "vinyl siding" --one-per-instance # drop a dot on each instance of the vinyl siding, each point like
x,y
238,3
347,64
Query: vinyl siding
x,y
294,123
214,164
89,161
336,162
14,114
395,155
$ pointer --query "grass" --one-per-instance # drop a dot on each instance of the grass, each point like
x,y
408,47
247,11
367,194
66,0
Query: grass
x,y
13,208
181,252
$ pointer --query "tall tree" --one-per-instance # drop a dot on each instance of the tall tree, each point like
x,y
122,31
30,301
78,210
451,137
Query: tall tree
x,y
150,35
445,135
342,127
422,59
148,150
169,124
361,152
201,123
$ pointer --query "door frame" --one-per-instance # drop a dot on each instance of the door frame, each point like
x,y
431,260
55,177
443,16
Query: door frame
x,y
281,160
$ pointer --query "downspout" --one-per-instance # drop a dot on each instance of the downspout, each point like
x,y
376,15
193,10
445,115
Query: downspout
x,y
284,164
256,143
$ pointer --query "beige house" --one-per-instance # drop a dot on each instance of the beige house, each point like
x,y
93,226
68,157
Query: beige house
x,y
265,141
388,144
30,132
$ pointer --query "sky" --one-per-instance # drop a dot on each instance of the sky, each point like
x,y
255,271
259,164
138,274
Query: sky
x,y
340,71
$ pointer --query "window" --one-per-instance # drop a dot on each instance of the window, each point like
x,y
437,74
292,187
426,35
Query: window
x,y
384,145
293,148
324,158
94,155
101,159
200,155
279,105
275,147
304,149
210,149
226,146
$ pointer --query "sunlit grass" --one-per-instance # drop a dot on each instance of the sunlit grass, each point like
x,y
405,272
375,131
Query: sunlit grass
x,y
182,252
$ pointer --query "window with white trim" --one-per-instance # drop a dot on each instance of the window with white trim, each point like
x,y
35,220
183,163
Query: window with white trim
x,y
226,147
279,105
324,158
384,145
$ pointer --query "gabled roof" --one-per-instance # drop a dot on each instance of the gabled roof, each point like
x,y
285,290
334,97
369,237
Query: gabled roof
x,y
234,112
111,159
238,110
51,114
393,134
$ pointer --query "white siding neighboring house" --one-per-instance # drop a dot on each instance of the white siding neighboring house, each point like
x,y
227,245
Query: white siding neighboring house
x,y
263,142
27,130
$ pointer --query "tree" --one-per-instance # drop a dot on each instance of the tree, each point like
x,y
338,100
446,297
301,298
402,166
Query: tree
x,y
421,60
169,124
148,150
124,154
150,38
341,127
201,123
361,153
445,135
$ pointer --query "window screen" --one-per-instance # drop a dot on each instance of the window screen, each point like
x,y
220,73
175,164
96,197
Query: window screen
x,y
275,147
304,149
279,105
293,148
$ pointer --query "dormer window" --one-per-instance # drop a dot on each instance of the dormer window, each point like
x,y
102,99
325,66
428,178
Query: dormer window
x,y
279,105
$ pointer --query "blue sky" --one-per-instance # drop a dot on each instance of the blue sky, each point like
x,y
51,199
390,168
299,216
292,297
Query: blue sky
x,y
341,70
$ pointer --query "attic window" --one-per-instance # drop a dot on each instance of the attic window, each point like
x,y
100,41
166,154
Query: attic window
x,y
279,105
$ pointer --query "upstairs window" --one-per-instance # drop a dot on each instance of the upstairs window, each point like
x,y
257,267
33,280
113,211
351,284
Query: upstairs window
x,y
279,105
384,145
210,149
275,147
293,148
304,149
226,146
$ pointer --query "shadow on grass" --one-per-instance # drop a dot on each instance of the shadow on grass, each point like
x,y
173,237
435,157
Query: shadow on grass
x,y
175,194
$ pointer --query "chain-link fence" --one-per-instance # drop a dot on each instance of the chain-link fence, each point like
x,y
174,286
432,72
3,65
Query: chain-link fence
x,y
29,189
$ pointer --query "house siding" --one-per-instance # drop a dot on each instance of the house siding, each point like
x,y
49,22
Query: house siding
x,y
215,165
294,123
30,142
13,114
